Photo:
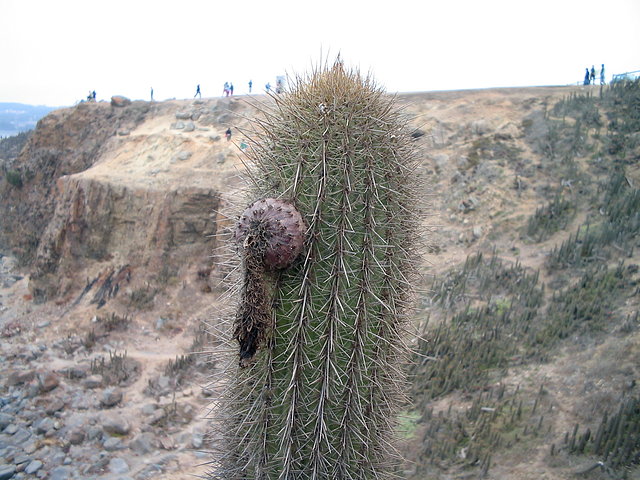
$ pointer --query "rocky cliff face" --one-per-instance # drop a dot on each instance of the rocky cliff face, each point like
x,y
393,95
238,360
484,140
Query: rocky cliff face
x,y
98,225
65,142
106,188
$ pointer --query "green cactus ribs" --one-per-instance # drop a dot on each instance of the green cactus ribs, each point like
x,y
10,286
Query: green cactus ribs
x,y
325,294
270,234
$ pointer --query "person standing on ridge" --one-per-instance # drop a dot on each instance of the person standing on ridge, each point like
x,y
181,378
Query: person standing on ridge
x,y
231,89
198,94
250,85
602,82
586,76
593,75
152,94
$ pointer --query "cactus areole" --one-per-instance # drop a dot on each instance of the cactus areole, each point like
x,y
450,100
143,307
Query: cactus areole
x,y
328,266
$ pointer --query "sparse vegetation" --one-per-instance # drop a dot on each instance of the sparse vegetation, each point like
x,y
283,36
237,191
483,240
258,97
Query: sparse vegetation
x,y
491,148
615,443
142,298
117,370
550,218
489,317
14,178
528,354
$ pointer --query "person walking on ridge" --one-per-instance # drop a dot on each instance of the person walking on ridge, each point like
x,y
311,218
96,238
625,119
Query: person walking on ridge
x,y
593,75
586,76
198,94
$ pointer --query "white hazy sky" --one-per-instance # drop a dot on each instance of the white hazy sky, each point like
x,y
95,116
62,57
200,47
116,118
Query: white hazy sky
x,y
54,52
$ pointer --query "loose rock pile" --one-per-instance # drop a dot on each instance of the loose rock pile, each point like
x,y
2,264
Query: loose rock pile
x,y
72,412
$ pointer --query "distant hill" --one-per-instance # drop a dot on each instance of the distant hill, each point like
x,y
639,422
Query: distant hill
x,y
19,117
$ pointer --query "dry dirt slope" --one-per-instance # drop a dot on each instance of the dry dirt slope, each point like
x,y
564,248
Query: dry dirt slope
x,y
127,234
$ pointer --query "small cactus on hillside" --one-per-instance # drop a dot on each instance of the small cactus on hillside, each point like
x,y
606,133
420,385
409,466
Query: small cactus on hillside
x,y
329,249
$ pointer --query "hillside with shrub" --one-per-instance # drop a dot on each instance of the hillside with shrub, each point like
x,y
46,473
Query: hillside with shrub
x,y
526,336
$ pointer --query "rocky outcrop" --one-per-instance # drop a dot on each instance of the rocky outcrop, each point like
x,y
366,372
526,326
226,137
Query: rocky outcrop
x,y
66,141
100,225
120,101
115,192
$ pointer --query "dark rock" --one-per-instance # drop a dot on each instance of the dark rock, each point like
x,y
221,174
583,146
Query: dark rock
x,y
94,433
7,471
157,416
20,459
92,381
43,426
144,443
76,372
115,424
118,465
76,436
11,429
182,156
120,101
48,381
61,473
183,115
56,405
112,444
5,420
33,467
21,436
20,377
224,118
111,397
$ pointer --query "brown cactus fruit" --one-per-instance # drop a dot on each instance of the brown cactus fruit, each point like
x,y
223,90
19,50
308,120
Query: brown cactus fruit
x,y
270,234
273,228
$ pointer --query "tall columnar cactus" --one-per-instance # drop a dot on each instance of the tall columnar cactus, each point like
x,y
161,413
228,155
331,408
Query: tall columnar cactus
x,y
328,248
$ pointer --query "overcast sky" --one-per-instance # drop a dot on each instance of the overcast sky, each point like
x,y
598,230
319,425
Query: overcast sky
x,y
55,51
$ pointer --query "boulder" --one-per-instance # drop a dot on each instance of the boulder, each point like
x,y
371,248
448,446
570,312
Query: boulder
x,y
120,101
115,424
118,466
7,471
111,397
48,381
